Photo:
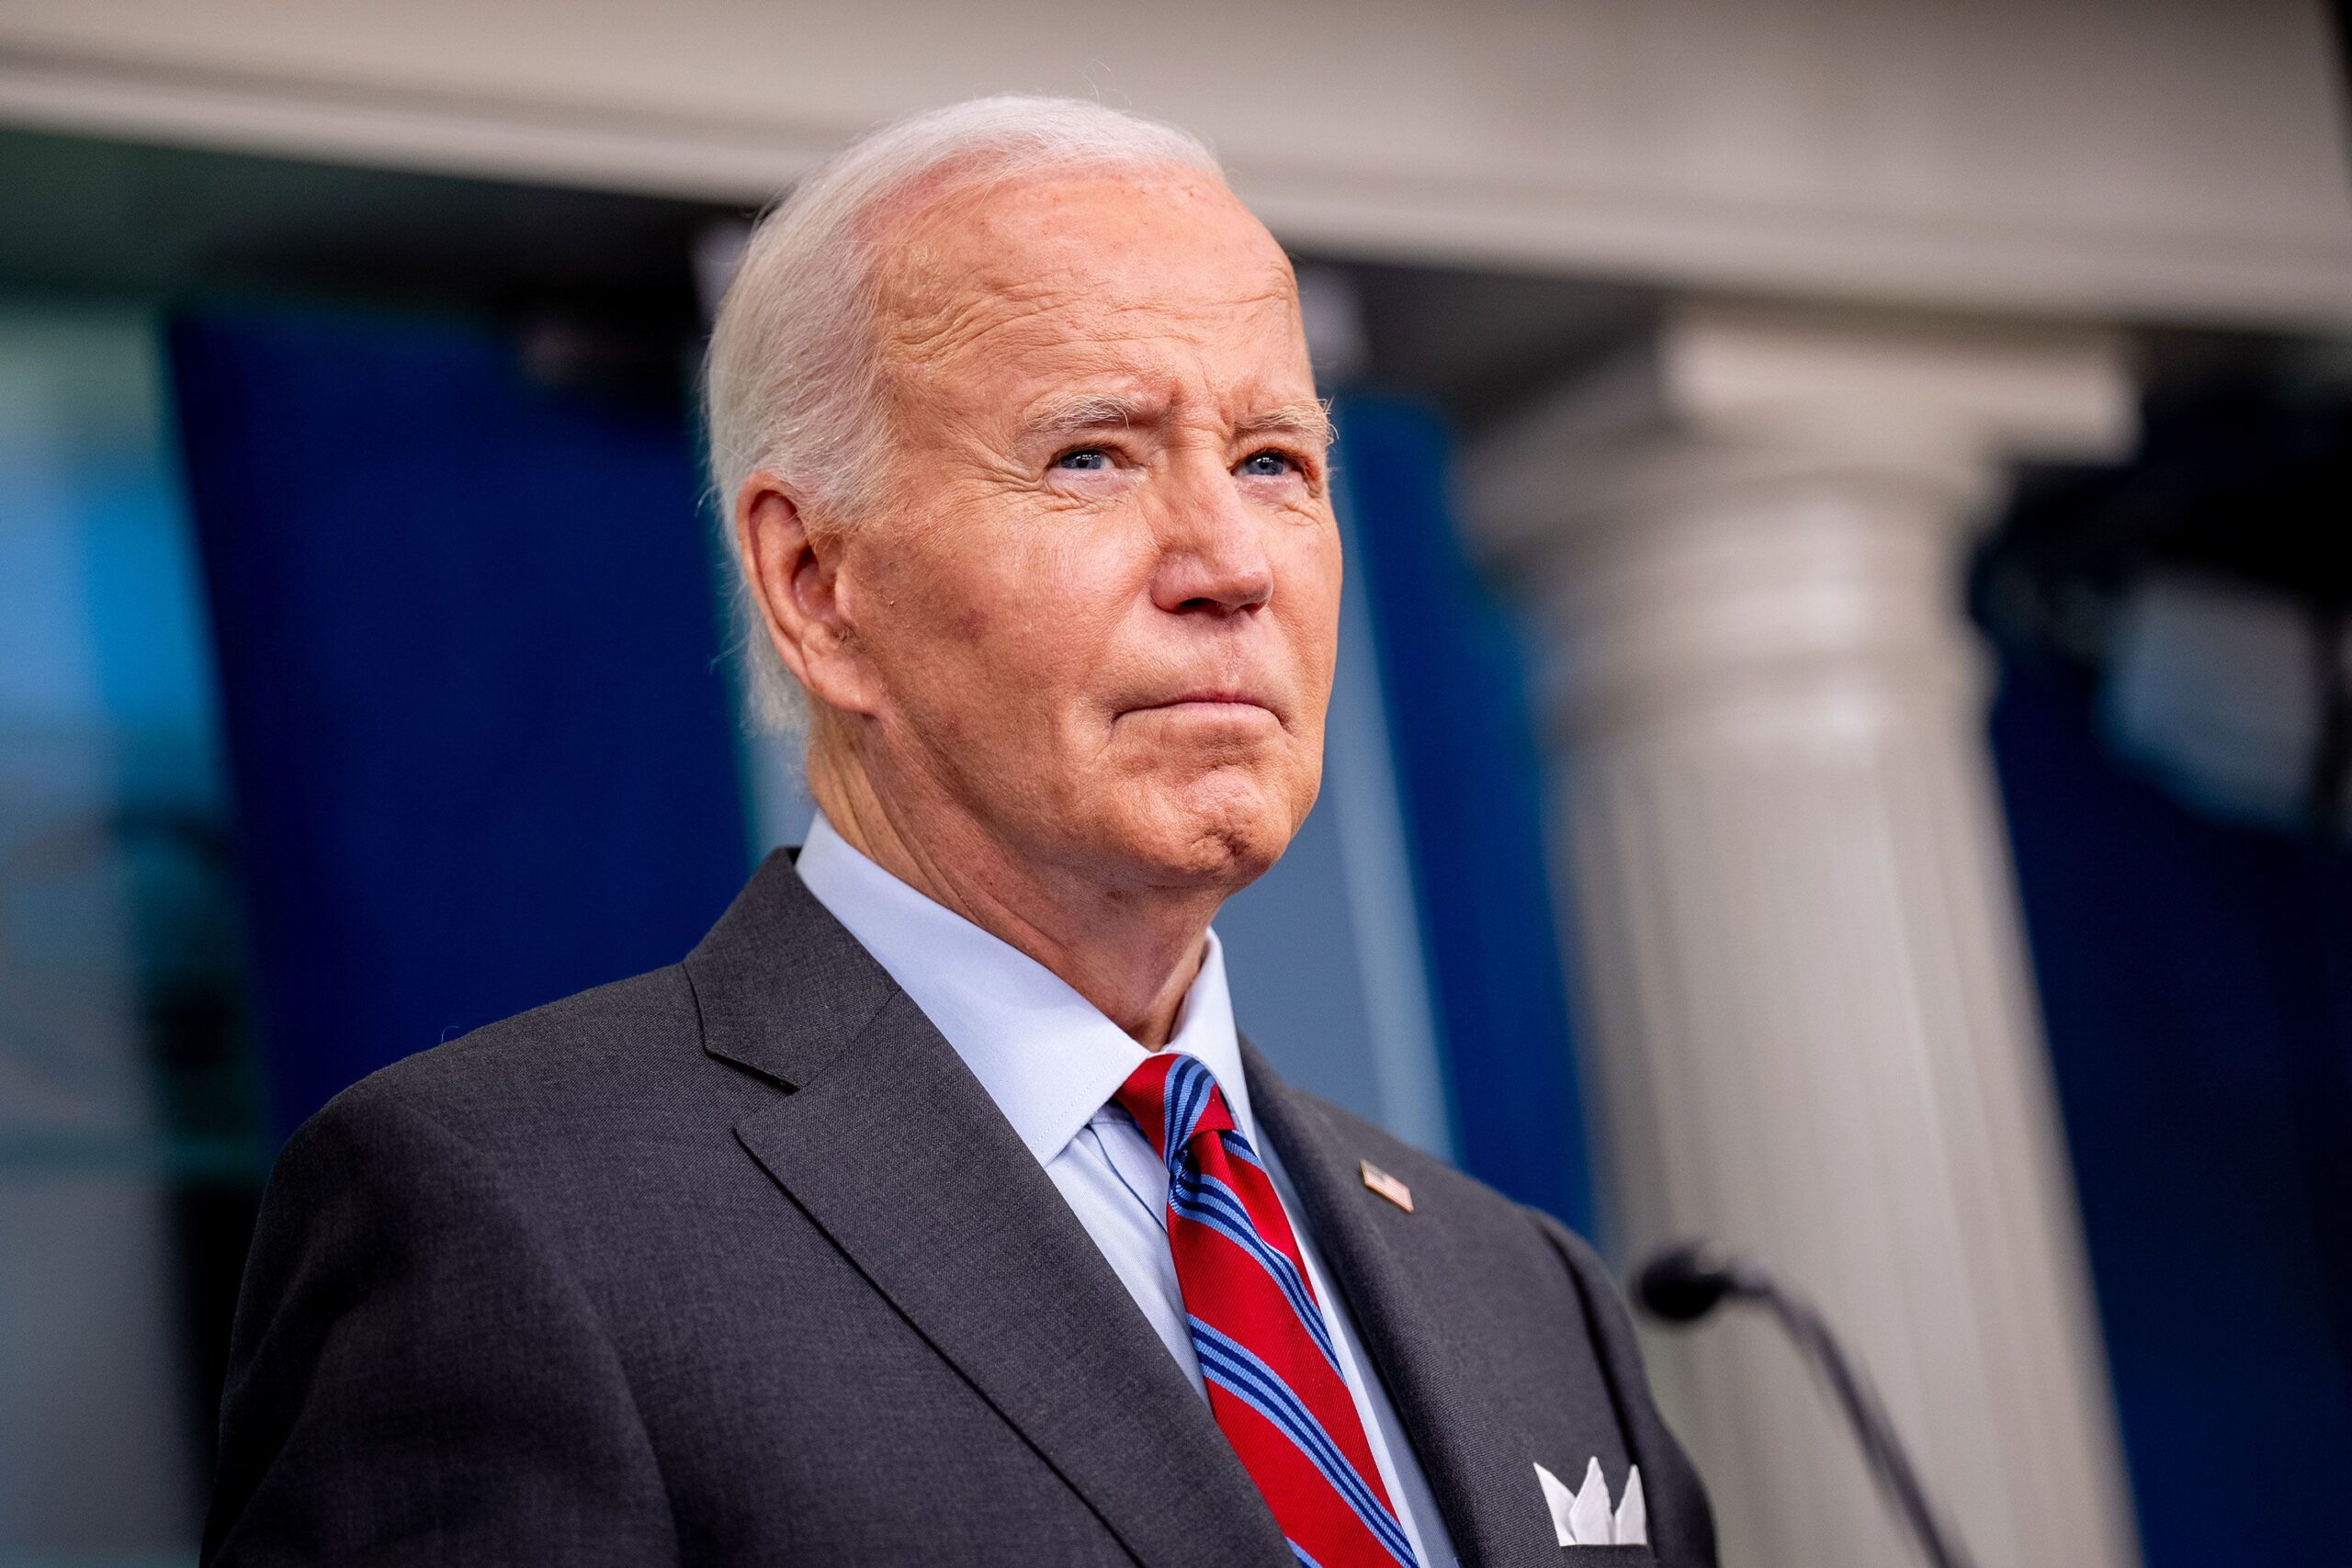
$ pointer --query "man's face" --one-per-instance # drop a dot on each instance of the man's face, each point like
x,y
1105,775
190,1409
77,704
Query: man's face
x,y
1100,606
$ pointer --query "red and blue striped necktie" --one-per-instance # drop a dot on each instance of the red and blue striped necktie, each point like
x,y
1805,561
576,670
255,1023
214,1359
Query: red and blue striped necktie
x,y
1265,1351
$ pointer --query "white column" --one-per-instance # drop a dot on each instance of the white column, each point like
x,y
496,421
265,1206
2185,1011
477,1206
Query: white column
x,y
1806,997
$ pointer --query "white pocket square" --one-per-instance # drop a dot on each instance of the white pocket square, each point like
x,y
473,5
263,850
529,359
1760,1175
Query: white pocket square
x,y
1582,1517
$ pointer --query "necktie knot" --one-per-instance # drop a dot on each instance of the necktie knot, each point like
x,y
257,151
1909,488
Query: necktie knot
x,y
1174,1099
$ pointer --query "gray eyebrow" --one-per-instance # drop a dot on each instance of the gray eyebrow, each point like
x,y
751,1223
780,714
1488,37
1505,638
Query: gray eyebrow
x,y
1082,411
1310,420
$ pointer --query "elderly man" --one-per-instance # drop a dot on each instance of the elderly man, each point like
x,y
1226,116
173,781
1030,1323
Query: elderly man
x,y
931,1211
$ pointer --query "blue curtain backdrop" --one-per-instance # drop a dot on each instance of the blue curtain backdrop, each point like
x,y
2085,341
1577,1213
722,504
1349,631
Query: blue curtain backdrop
x,y
1471,782
2196,981
480,738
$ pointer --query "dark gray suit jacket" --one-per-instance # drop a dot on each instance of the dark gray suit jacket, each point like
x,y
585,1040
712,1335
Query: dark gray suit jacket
x,y
737,1262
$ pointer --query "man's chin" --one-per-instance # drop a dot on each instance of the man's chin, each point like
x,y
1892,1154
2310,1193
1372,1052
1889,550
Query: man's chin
x,y
1209,837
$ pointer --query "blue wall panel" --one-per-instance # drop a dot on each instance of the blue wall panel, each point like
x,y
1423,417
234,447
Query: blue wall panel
x,y
481,744
2196,981
1473,792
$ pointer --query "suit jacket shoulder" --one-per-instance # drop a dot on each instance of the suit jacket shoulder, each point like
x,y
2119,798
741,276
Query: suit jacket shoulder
x,y
399,1259
615,1040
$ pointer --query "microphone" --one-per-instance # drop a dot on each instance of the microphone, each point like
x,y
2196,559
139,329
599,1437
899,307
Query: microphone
x,y
1683,1283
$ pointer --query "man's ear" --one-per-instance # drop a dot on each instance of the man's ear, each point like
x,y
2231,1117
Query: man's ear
x,y
795,582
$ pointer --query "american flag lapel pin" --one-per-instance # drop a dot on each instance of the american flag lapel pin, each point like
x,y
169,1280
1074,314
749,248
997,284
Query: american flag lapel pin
x,y
1387,1186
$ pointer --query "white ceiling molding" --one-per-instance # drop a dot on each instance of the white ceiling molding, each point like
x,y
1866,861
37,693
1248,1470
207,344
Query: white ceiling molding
x,y
2173,160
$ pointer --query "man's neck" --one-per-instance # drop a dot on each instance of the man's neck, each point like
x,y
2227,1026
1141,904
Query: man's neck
x,y
1131,950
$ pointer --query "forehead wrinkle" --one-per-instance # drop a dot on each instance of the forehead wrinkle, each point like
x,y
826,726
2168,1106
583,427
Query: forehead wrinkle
x,y
1049,312
957,319
932,299
960,289
975,231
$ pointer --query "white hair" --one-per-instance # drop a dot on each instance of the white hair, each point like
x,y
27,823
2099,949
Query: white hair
x,y
793,383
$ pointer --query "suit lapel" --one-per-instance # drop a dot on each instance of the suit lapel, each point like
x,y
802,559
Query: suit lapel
x,y
896,1152
1476,1464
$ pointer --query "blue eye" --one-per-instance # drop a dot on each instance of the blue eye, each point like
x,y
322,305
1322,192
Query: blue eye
x,y
1268,465
1085,460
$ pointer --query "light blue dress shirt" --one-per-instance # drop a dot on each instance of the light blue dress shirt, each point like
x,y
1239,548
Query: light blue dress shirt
x,y
1051,1060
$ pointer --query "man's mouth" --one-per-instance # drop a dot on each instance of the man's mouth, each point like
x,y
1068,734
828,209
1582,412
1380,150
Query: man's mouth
x,y
1209,701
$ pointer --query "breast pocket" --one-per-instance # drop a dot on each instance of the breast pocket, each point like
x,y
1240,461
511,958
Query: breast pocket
x,y
1607,1557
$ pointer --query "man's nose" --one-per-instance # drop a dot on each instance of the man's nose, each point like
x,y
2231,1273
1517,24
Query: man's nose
x,y
1214,555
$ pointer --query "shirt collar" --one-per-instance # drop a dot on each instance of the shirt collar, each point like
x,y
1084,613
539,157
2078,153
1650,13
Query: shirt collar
x,y
1046,1055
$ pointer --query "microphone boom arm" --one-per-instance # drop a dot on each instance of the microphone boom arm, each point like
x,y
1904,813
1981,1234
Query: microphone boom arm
x,y
1684,1283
